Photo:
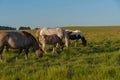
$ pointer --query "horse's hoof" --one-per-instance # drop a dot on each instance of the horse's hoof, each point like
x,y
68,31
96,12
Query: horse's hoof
x,y
1,60
45,52
26,58
16,58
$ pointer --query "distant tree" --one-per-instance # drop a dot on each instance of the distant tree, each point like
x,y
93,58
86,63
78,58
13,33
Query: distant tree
x,y
24,28
7,28
36,28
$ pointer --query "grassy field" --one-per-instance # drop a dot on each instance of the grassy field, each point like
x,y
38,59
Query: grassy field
x,y
99,60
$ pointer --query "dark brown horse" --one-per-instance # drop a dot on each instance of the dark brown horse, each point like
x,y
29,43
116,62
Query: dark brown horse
x,y
19,40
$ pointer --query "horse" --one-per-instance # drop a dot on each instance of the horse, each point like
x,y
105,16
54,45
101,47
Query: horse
x,y
76,35
19,40
50,40
61,33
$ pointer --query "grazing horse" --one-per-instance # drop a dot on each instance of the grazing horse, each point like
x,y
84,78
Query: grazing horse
x,y
50,40
58,31
19,40
76,35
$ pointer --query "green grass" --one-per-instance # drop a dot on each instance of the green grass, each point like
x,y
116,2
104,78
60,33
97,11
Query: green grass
x,y
99,60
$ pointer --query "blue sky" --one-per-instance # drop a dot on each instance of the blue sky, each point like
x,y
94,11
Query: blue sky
x,y
53,13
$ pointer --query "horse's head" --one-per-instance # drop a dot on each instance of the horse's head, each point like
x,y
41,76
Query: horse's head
x,y
62,45
37,49
80,35
84,42
39,53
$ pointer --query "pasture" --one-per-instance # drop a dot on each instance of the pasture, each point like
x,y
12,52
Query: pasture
x,y
99,60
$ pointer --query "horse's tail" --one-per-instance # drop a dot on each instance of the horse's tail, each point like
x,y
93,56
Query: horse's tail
x,y
67,41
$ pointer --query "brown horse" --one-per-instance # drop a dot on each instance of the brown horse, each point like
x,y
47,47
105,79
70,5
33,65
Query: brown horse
x,y
50,40
19,40
76,35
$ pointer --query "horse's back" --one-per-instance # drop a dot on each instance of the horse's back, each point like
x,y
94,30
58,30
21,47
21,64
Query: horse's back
x,y
74,33
16,39
50,31
3,34
51,39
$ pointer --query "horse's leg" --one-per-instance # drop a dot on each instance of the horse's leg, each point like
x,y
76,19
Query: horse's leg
x,y
20,51
43,48
67,40
76,42
1,50
54,49
61,45
26,54
57,45
7,49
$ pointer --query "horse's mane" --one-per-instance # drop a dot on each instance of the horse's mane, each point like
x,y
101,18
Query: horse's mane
x,y
28,34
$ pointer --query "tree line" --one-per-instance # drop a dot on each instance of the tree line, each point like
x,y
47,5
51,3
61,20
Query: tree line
x,y
12,28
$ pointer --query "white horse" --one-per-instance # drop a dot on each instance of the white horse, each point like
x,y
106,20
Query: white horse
x,y
61,33
76,35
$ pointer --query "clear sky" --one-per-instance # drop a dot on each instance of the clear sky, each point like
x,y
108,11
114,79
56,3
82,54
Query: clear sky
x,y
53,13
